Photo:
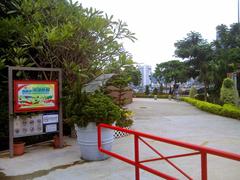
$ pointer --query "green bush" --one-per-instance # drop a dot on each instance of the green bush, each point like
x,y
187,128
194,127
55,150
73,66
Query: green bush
x,y
199,97
155,91
192,92
82,108
100,109
227,110
228,83
126,118
142,95
229,94
147,91
231,111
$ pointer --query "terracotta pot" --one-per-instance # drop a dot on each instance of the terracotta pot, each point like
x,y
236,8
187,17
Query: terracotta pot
x,y
18,148
56,141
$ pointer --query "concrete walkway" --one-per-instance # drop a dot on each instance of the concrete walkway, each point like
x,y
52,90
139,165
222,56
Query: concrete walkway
x,y
172,119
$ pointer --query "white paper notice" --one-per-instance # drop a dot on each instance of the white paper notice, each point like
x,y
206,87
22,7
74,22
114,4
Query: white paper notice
x,y
25,126
50,118
51,127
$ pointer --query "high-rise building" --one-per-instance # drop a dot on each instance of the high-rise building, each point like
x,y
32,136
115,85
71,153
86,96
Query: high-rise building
x,y
146,72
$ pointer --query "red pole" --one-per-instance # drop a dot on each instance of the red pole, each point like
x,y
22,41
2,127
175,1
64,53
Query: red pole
x,y
136,144
204,165
99,137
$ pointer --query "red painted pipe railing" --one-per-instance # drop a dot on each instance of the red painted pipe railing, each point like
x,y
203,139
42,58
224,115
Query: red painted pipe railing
x,y
200,150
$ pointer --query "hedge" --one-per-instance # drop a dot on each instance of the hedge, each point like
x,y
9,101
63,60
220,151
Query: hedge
x,y
141,95
226,110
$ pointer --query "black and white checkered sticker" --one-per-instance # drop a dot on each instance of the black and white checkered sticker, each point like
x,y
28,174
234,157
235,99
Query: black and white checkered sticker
x,y
119,134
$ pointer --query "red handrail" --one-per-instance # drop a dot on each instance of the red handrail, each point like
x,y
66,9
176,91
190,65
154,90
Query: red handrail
x,y
202,150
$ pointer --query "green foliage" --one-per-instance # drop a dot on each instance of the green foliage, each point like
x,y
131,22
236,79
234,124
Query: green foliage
x,y
227,110
155,91
121,82
124,66
125,120
198,54
228,83
199,97
147,91
230,110
82,108
59,34
161,88
54,33
142,95
192,92
229,94
227,52
74,103
99,109
171,71
135,75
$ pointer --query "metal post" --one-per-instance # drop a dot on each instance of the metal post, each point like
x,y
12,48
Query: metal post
x,y
60,109
10,110
99,137
136,144
238,11
204,165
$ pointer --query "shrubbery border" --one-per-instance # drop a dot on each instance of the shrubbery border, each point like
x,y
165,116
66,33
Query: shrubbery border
x,y
226,110
159,96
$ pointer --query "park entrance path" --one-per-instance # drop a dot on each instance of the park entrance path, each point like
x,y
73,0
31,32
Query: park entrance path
x,y
162,117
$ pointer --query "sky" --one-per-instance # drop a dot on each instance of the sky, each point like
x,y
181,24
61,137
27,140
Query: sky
x,y
158,24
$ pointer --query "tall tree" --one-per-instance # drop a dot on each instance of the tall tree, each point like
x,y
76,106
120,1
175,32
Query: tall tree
x,y
171,71
226,52
124,65
198,53
57,33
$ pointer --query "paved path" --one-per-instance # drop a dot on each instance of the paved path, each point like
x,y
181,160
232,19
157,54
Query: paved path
x,y
172,119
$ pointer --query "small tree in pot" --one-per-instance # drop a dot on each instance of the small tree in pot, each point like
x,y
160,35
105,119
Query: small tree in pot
x,y
86,112
100,109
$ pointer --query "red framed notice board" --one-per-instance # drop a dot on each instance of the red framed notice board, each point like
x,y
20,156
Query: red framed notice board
x,y
30,96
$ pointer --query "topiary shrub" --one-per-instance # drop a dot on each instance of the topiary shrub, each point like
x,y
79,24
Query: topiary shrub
x,y
192,92
155,91
147,91
228,94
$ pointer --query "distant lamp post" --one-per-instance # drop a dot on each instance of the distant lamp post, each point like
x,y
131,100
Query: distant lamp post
x,y
238,11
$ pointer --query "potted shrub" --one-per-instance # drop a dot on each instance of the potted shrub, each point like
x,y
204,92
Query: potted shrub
x,y
125,122
126,118
86,111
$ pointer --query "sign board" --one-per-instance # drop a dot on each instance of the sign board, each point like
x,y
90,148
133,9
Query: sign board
x,y
25,126
50,118
30,96
51,128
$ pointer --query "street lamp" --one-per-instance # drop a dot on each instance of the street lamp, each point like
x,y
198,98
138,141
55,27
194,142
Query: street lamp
x,y
238,11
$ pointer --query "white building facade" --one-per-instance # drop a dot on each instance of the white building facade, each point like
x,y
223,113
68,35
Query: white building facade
x,y
146,72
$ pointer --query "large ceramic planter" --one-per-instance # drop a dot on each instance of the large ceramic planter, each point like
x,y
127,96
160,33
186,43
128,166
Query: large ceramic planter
x,y
87,140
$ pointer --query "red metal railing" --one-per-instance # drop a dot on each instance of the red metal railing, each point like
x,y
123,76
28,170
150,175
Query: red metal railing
x,y
201,150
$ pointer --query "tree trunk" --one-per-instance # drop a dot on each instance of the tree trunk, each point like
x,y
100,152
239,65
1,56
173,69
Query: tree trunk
x,y
205,90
